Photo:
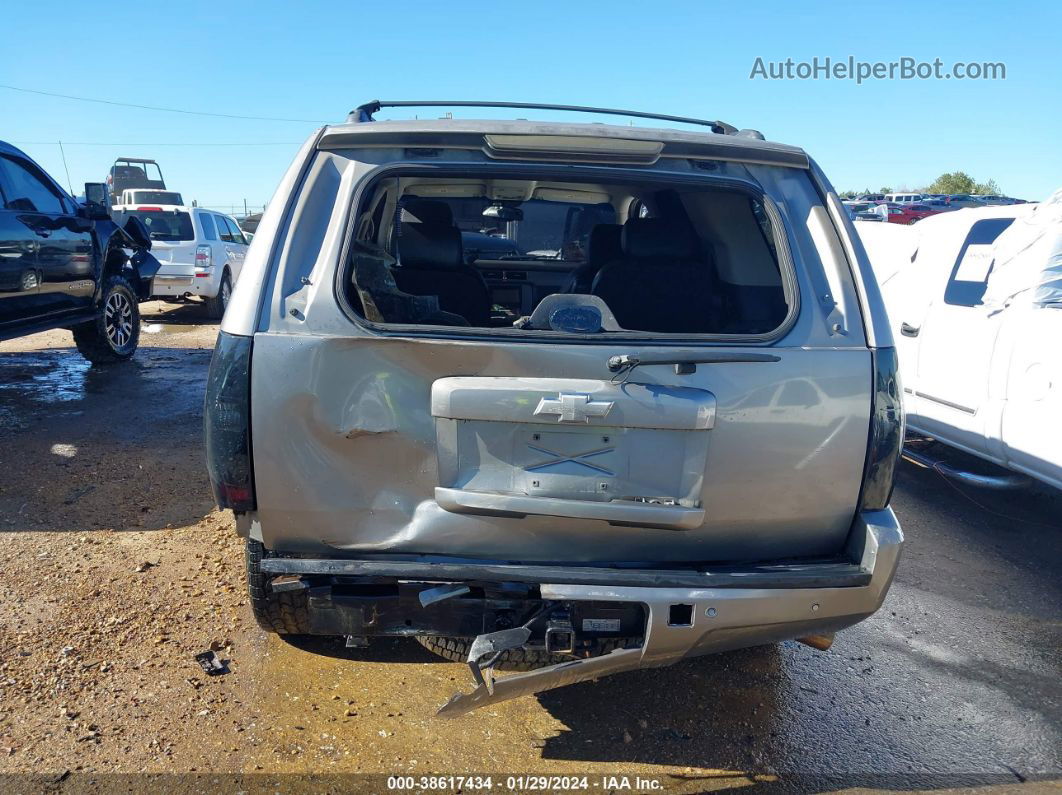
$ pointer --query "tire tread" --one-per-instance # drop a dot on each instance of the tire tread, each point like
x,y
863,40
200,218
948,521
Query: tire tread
x,y
285,613
91,337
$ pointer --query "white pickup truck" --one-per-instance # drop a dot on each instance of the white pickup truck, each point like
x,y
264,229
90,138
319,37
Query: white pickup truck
x,y
975,301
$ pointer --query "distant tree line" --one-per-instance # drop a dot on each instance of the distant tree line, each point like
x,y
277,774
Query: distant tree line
x,y
950,182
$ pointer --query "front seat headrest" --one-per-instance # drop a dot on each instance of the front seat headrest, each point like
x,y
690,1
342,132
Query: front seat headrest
x,y
431,247
645,238
427,211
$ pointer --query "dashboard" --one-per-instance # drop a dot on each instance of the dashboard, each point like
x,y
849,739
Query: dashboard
x,y
519,285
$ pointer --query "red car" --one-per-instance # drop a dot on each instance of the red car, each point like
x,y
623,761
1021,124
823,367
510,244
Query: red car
x,y
910,213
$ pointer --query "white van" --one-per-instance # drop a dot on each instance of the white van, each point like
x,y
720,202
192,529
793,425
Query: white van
x,y
903,198
201,252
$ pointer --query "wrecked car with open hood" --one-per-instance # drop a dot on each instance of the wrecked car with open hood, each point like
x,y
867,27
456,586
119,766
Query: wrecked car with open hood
x,y
564,398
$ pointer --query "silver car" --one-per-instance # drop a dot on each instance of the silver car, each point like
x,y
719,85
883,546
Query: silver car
x,y
659,419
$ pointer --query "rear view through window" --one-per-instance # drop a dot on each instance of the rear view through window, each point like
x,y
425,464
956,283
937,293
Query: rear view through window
x,y
165,225
539,255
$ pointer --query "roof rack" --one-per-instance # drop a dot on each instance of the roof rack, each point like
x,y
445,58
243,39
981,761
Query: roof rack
x,y
364,113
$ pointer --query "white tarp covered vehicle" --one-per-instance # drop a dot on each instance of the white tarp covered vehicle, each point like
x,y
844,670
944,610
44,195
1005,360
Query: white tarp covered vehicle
x,y
976,299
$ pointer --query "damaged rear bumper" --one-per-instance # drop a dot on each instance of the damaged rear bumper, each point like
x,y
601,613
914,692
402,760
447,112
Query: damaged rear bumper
x,y
720,619
682,620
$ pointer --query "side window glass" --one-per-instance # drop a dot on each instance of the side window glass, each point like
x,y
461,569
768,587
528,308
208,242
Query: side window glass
x,y
973,266
209,232
25,191
234,230
223,230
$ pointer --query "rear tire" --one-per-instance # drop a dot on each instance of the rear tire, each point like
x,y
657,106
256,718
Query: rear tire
x,y
216,306
456,650
115,333
284,613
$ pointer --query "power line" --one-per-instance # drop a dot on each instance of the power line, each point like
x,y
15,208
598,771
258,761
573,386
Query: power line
x,y
155,107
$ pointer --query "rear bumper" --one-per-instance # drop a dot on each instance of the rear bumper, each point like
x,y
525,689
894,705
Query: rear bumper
x,y
728,610
176,285
722,618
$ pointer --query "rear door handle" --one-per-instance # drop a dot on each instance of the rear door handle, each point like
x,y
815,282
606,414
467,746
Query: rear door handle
x,y
908,330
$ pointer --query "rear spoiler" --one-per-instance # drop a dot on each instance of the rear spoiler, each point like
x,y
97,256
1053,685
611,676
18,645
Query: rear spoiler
x,y
476,135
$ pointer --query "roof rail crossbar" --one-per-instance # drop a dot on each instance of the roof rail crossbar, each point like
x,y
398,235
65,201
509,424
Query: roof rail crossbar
x,y
364,112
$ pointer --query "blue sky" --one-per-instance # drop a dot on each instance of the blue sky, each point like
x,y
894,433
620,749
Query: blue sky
x,y
316,60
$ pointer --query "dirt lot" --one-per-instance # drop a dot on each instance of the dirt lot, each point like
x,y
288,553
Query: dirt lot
x,y
117,570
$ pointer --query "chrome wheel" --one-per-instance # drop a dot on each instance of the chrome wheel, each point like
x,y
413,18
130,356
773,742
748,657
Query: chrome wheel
x,y
226,291
118,320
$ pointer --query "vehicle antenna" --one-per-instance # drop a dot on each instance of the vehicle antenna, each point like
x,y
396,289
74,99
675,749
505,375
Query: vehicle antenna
x,y
69,183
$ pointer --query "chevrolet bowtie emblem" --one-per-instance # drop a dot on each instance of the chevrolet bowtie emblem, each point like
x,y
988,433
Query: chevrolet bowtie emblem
x,y
573,408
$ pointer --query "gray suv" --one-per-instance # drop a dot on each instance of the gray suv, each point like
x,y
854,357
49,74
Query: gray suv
x,y
659,419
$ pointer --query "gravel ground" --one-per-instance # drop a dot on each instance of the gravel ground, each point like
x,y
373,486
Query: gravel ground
x,y
117,570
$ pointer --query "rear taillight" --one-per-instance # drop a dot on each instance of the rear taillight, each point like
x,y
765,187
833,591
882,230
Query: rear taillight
x,y
227,420
149,209
886,430
204,258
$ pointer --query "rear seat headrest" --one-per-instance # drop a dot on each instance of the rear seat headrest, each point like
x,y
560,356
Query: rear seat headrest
x,y
645,238
427,211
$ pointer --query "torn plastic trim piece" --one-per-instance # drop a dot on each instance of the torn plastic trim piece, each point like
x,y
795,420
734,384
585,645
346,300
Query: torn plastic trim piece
x,y
430,596
496,644
288,583
493,644
524,684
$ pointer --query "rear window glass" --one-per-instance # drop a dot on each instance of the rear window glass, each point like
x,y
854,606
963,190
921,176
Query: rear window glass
x,y
167,226
156,197
576,257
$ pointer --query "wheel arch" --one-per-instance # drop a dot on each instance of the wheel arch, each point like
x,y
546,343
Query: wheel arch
x,y
226,270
